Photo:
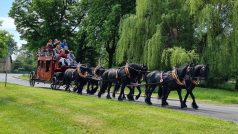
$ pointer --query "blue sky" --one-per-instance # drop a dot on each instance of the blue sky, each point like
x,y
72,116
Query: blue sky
x,y
8,23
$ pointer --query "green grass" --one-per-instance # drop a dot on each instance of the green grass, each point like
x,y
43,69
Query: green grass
x,y
212,95
36,110
208,95
24,76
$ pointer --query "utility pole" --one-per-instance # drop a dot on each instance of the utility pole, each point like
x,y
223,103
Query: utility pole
x,y
10,51
6,71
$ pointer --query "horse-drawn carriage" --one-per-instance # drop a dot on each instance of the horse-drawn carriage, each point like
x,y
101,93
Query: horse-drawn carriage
x,y
48,70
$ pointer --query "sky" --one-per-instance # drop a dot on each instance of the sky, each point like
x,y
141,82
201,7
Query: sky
x,y
8,22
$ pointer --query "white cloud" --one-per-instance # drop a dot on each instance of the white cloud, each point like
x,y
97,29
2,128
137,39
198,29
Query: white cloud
x,y
8,23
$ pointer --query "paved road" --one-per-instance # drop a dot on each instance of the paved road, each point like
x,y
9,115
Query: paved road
x,y
227,112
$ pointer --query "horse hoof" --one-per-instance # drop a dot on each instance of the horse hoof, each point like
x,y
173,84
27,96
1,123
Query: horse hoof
x,y
195,106
137,97
99,95
164,104
120,99
130,97
109,97
183,105
113,95
147,101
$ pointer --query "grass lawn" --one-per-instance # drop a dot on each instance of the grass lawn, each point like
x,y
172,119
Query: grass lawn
x,y
36,110
206,95
212,95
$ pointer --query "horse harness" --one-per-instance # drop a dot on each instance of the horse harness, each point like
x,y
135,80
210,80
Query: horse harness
x,y
83,75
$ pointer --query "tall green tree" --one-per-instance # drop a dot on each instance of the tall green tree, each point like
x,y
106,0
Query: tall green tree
x,y
40,20
157,25
102,25
7,44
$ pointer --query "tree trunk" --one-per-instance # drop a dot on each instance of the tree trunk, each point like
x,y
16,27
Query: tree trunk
x,y
110,59
236,87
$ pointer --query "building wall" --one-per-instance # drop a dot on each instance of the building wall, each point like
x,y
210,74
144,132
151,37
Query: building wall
x,y
4,64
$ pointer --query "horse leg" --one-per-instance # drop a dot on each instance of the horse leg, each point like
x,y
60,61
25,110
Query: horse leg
x,y
194,104
103,88
179,91
160,92
130,95
148,97
88,86
116,88
94,90
165,94
138,96
108,90
120,98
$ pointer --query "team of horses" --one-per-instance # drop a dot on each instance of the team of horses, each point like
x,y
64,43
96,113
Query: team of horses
x,y
100,80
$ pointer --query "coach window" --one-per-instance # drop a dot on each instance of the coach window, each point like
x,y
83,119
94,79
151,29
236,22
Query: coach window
x,y
47,68
41,64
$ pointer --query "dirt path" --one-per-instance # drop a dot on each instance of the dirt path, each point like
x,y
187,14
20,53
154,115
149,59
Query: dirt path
x,y
227,112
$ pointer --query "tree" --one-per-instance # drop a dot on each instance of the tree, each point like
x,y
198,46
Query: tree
x,y
24,60
40,20
102,25
157,25
7,43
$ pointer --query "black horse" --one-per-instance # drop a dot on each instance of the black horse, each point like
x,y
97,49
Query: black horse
x,y
69,76
121,77
94,75
200,72
80,79
167,81
130,96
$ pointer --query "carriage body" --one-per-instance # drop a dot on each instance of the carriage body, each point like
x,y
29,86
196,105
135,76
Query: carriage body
x,y
48,70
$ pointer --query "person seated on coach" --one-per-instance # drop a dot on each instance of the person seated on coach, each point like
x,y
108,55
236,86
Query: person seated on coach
x,y
50,46
56,52
72,58
62,54
64,45
56,42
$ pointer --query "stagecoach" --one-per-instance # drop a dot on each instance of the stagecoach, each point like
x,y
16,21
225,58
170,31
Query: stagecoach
x,y
48,70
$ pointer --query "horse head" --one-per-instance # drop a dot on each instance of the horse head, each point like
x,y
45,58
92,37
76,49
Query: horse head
x,y
82,70
201,71
136,71
99,70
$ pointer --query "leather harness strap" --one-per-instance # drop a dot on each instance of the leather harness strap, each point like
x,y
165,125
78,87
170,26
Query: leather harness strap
x,y
161,77
175,76
196,82
80,73
127,71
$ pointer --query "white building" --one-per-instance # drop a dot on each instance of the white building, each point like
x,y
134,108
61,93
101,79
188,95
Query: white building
x,y
5,64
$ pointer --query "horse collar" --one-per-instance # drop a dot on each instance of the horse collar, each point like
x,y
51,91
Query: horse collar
x,y
127,71
175,76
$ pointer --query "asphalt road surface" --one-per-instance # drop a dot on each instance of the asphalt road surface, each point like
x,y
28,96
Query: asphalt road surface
x,y
222,111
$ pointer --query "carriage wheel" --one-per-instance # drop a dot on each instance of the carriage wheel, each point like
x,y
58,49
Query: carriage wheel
x,y
32,79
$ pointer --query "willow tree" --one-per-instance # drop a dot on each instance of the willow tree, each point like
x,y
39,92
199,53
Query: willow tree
x,y
215,26
234,47
137,29
156,25
177,56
